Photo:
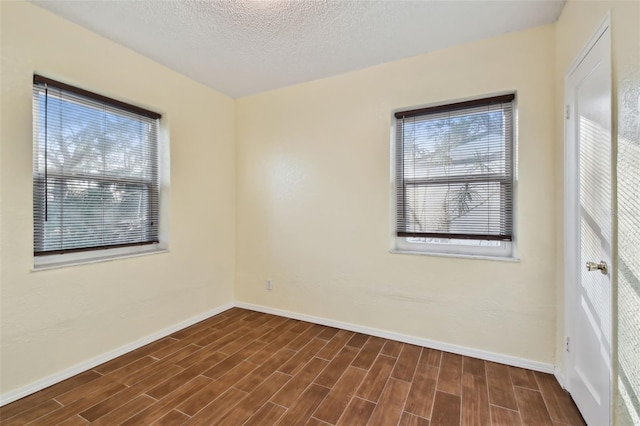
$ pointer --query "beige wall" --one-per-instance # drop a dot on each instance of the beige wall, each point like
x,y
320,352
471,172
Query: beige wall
x,y
55,319
578,22
313,200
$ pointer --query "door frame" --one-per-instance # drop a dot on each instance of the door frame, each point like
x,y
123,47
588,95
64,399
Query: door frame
x,y
571,206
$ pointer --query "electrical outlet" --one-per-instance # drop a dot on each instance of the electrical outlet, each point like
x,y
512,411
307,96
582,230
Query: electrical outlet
x,y
269,284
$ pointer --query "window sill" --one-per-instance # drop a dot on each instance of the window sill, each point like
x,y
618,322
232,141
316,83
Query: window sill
x,y
455,255
91,257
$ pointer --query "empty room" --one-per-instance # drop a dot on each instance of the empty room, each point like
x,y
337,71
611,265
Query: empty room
x,y
320,212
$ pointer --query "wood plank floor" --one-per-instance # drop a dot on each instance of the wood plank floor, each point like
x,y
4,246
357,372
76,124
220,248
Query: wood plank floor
x,y
243,367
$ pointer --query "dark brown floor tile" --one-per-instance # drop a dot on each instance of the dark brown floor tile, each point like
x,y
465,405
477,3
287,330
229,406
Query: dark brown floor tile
x,y
243,365
91,398
450,376
204,354
533,412
389,408
327,333
275,321
446,410
32,413
74,421
335,344
159,366
174,382
523,378
316,422
122,374
122,413
173,418
376,378
357,413
220,368
213,390
231,313
407,361
304,338
288,394
189,337
334,370
504,417
247,338
227,344
267,415
423,390
228,326
431,357
222,316
475,396
238,313
81,391
299,360
368,353
300,326
273,347
408,419
254,317
209,336
340,395
39,397
125,395
358,340
391,348
500,387
559,403
196,328
119,362
163,347
278,332
474,367
256,398
213,412
251,349
258,375
301,410
215,341
166,404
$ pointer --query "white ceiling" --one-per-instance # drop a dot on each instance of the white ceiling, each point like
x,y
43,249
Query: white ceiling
x,y
242,47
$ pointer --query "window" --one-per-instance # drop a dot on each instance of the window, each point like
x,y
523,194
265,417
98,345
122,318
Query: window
x,y
454,178
95,175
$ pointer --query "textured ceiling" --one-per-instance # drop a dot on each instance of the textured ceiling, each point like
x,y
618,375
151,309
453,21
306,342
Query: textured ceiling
x,y
242,47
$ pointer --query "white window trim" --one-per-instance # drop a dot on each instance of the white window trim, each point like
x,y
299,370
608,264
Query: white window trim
x,y
513,259
503,250
54,261
507,251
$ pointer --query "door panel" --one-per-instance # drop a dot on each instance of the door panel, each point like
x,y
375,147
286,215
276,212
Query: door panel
x,y
589,130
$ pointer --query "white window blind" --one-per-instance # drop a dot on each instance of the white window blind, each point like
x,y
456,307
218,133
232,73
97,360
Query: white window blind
x,y
454,171
95,180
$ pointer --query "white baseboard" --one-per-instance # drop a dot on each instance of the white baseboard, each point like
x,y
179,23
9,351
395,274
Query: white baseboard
x,y
94,362
433,344
559,377
461,350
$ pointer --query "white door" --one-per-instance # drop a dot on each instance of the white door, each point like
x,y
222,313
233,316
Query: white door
x,y
588,227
